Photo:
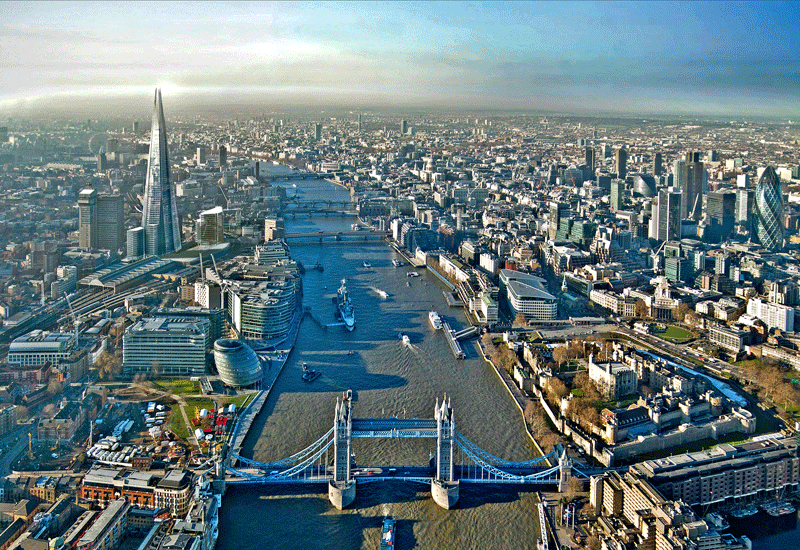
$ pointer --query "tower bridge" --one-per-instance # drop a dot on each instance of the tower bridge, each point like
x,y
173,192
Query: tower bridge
x,y
456,460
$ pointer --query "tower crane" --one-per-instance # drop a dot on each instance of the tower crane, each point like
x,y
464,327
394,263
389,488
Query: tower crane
x,y
224,285
74,319
655,256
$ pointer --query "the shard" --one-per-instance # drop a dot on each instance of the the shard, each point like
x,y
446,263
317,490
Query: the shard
x,y
768,211
160,212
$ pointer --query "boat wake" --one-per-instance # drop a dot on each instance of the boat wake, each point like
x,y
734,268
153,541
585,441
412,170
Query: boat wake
x,y
382,293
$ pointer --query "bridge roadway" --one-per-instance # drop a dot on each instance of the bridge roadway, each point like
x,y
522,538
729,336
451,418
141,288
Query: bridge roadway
x,y
394,427
321,234
423,474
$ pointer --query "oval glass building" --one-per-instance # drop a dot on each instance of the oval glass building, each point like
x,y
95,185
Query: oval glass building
x,y
768,211
237,364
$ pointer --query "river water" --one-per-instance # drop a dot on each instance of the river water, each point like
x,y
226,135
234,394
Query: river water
x,y
389,379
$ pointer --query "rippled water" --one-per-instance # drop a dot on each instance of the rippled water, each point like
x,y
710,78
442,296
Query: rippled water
x,y
390,379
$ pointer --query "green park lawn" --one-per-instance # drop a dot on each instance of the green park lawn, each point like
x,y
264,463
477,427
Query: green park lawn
x,y
676,335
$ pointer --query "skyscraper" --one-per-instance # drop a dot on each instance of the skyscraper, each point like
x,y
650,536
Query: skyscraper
x,y
223,156
160,211
617,195
589,154
690,177
110,222
768,211
404,126
87,219
720,213
621,163
669,215
658,167
100,221
317,132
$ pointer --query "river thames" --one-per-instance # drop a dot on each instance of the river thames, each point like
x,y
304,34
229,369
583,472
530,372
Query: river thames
x,y
389,379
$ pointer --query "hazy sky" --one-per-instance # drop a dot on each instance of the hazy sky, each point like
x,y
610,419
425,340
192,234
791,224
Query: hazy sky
x,y
685,57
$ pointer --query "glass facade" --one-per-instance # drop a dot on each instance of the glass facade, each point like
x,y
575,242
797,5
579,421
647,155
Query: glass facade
x,y
237,364
768,211
160,211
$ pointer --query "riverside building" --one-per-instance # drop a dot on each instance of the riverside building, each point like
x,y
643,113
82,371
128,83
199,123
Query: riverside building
x,y
166,346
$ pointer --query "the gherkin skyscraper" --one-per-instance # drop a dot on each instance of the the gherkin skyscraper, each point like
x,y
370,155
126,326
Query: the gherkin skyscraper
x,y
160,212
768,211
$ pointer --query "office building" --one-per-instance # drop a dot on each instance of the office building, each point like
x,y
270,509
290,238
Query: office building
x,y
3,134
87,219
135,127
317,132
606,151
658,165
589,159
403,127
100,221
210,227
110,222
108,530
526,294
261,310
774,315
621,163
135,243
223,157
274,229
38,347
200,156
617,195
102,161
162,233
696,179
669,215
720,215
768,211
166,347
171,490
744,204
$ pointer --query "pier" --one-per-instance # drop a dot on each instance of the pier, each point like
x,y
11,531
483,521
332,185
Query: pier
x,y
455,347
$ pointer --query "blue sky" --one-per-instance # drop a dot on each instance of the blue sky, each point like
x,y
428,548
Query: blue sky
x,y
685,57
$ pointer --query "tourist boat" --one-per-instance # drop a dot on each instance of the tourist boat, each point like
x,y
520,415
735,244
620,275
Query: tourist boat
x,y
404,337
412,274
540,545
397,263
387,536
344,307
436,321
308,374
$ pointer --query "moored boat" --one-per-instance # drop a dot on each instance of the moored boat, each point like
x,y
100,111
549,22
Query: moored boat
x,y
397,263
436,321
345,307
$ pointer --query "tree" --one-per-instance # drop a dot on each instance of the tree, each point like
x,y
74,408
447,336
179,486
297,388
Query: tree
x,y
641,309
679,313
574,489
54,386
520,319
556,389
560,355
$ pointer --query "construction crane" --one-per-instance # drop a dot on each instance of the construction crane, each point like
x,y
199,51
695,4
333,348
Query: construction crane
x,y
74,320
224,285
655,256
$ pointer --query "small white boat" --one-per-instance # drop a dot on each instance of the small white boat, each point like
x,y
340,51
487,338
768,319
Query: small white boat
x,y
404,337
365,263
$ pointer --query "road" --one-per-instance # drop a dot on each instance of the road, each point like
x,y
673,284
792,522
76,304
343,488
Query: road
x,y
22,434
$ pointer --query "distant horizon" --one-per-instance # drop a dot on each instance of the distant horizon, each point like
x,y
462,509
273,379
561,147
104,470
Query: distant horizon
x,y
706,59
196,104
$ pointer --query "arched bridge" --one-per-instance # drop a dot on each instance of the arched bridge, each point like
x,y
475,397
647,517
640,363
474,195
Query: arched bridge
x,y
457,460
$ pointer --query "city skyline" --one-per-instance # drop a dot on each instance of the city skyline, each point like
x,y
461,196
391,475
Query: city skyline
x,y
716,59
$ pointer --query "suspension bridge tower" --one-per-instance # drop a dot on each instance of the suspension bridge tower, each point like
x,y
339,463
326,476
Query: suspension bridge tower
x,y
342,489
444,489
